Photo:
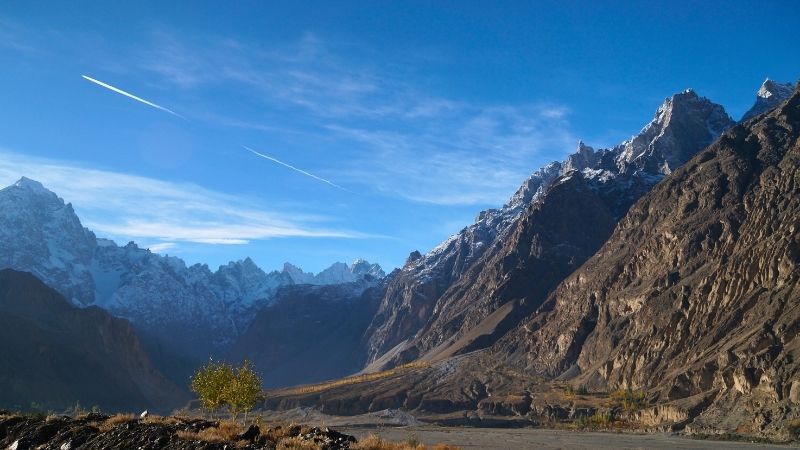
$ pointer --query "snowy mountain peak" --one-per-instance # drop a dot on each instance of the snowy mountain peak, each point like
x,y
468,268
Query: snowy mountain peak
x,y
27,183
769,95
661,145
772,88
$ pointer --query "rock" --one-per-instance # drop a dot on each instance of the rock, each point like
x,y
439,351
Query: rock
x,y
251,434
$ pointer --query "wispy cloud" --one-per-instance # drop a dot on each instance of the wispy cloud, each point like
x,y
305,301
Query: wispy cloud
x,y
399,139
162,247
138,208
289,166
129,95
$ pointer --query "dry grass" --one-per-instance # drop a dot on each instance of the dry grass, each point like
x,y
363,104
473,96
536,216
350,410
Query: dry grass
x,y
313,388
115,420
224,432
296,443
161,420
373,442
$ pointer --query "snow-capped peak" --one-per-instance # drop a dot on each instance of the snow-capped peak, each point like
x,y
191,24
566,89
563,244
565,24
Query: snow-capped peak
x,y
772,88
769,95
338,272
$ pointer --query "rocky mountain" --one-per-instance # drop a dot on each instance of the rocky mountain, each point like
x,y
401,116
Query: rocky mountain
x,y
685,318
770,95
467,292
338,272
55,354
311,332
696,295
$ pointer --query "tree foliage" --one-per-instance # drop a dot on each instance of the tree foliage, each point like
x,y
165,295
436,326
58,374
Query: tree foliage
x,y
219,384
244,390
211,382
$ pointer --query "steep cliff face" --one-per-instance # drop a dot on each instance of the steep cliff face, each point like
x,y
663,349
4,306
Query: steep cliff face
x,y
696,294
562,219
55,354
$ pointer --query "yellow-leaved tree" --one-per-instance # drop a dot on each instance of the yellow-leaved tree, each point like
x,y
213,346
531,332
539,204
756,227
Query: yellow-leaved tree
x,y
211,383
244,391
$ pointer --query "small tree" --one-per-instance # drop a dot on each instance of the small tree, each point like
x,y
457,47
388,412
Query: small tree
x,y
211,384
243,391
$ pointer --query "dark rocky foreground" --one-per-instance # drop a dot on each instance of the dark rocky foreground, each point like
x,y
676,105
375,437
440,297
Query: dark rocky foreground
x,y
98,431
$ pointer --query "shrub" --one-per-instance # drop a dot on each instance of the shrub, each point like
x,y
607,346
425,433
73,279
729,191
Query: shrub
x,y
629,400
794,427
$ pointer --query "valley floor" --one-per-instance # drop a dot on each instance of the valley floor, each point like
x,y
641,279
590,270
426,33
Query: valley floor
x,y
538,438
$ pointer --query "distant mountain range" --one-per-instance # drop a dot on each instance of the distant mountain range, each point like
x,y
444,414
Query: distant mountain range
x,y
665,264
40,233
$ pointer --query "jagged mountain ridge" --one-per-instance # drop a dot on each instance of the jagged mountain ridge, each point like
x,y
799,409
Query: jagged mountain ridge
x,y
337,273
55,354
439,297
41,234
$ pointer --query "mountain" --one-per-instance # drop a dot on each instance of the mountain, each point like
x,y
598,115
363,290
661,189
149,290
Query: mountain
x,y
55,354
769,96
337,273
688,311
696,295
40,233
182,313
467,292
311,332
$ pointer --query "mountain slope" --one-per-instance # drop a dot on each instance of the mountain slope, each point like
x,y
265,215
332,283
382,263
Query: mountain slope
x,y
574,209
311,333
697,292
55,354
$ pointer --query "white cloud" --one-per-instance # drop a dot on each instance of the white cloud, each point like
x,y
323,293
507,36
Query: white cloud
x,y
162,247
130,207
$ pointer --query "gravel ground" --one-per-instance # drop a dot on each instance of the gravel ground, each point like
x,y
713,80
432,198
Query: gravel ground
x,y
536,438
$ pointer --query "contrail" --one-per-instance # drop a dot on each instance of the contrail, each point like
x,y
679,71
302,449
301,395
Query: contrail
x,y
292,167
127,94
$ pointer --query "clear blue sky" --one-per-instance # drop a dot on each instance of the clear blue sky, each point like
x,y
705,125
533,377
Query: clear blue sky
x,y
423,113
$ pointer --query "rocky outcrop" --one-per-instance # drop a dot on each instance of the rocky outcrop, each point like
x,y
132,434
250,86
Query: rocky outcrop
x,y
54,354
697,291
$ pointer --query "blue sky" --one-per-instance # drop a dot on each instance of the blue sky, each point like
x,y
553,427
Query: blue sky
x,y
423,113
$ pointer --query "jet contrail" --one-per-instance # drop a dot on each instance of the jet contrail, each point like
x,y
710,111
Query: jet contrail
x,y
127,94
292,167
